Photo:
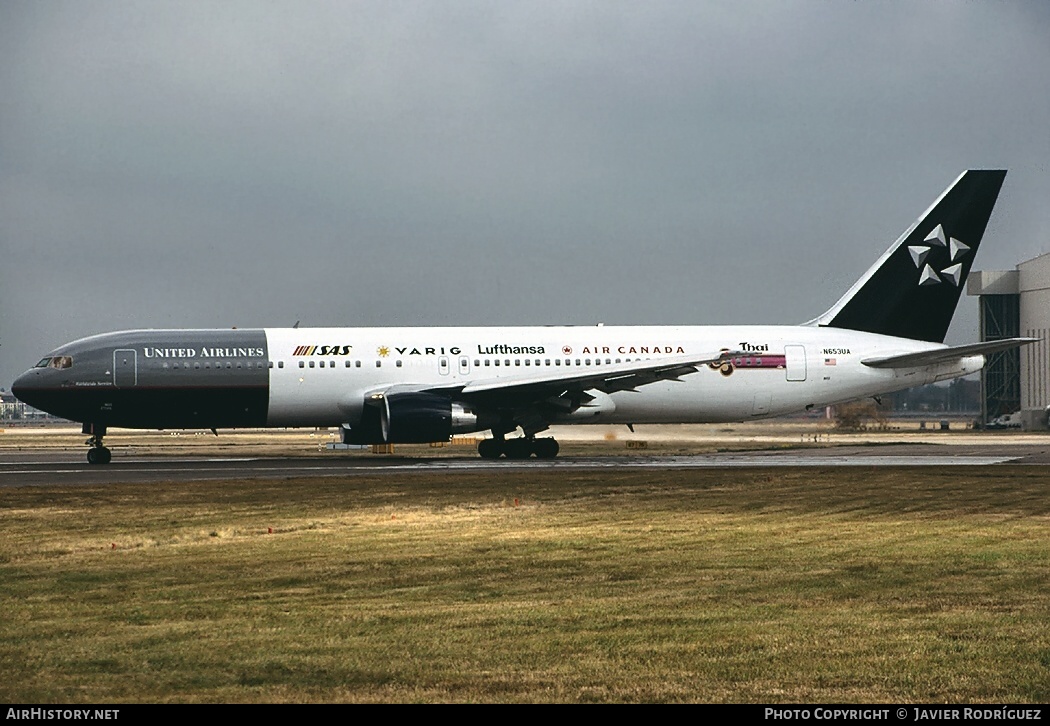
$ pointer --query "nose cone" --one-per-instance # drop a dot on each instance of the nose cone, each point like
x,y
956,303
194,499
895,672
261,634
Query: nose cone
x,y
27,386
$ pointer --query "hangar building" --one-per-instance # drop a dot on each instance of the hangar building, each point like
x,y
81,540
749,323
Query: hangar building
x,y
1016,303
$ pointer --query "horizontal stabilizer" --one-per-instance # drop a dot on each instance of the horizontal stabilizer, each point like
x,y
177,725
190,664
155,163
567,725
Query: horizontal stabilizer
x,y
946,355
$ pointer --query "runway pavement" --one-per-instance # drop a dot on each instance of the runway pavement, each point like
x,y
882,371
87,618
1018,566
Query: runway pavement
x,y
43,468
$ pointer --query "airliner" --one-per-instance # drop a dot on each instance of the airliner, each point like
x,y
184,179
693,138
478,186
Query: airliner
x,y
418,385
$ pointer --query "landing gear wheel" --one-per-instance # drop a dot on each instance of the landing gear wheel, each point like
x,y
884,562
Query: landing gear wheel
x,y
99,455
518,449
545,448
490,449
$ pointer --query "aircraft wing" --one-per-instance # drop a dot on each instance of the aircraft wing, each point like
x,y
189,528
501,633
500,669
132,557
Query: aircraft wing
x,y
564,390
945,355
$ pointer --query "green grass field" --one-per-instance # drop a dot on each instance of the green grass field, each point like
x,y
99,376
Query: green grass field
x,y
743,585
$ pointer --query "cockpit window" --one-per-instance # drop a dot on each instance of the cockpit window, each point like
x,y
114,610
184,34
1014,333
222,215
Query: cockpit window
x,y
43,363
61,361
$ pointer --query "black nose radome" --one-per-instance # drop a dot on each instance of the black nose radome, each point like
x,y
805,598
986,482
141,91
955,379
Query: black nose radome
x,y
25,386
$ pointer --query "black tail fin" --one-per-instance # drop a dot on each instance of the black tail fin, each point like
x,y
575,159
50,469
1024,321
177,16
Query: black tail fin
x,y
912,291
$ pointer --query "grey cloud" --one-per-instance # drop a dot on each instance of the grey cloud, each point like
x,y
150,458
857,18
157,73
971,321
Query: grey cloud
x,y
187,164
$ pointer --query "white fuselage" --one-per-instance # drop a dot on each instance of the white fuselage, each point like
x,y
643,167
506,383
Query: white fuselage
x,y
322,376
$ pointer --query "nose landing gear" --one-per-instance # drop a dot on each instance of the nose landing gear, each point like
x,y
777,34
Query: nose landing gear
x,y
98,453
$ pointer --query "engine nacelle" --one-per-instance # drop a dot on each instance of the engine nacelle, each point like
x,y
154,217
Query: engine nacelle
x,y
412,417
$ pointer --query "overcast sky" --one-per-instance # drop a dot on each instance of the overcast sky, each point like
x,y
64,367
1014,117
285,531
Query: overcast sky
x,y
210,164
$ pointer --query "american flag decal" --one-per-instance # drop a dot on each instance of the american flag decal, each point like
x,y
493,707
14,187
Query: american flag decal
x,y
829,361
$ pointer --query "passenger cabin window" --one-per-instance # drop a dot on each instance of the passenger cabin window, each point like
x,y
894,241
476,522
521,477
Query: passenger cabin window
x,y
302,364
280,364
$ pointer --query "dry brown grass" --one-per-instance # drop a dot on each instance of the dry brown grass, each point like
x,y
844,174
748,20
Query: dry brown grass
x,y
746,585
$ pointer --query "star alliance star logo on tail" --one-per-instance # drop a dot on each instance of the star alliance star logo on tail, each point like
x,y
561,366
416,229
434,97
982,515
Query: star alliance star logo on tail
x,y
938,244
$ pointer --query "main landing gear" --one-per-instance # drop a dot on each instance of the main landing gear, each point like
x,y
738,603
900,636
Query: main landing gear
x,y
97,454
522,448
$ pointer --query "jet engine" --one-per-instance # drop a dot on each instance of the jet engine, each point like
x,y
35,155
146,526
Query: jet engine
x,y
413,417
